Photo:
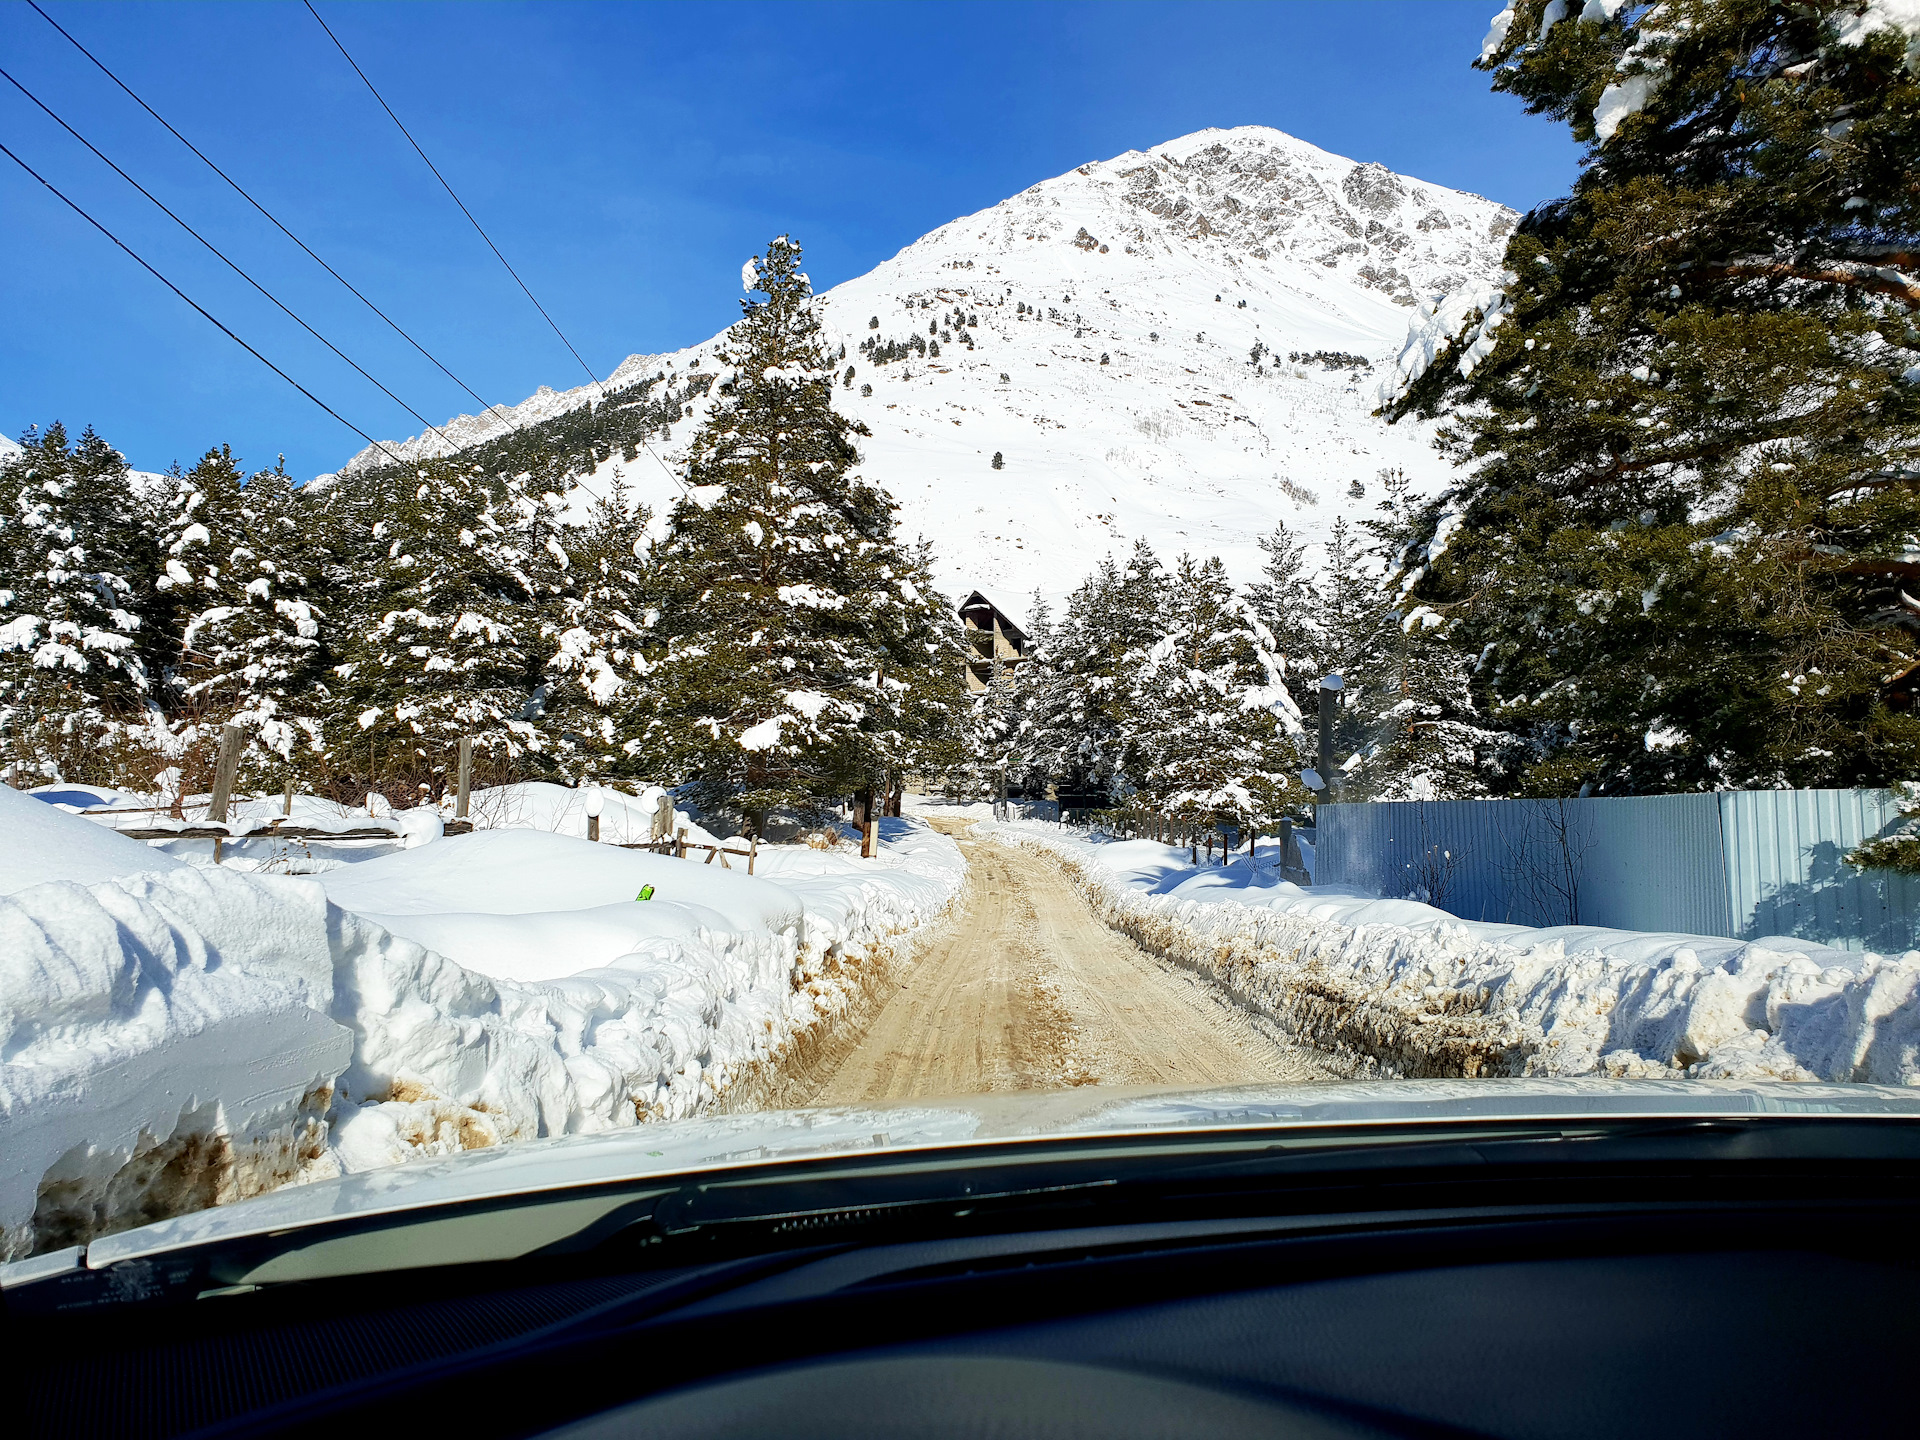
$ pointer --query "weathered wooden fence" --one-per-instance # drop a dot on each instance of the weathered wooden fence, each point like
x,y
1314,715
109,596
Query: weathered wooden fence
x,y
1743,864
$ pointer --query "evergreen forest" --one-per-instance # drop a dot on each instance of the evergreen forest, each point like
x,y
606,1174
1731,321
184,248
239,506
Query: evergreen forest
x,y
1681,550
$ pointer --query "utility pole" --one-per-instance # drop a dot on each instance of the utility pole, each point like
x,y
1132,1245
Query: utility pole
x,y
1331,688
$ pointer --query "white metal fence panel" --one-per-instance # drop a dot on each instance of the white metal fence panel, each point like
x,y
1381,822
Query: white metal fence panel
x,y
1743,863
1788,876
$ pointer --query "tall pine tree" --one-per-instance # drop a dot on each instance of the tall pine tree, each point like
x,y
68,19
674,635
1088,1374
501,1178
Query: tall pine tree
x,y
77,599
1214,722
1283,598
241,579
1684,558
794,631
596,636
444,642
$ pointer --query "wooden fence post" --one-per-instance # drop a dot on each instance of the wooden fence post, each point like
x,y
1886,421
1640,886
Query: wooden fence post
x,y
286,803
232,740
753,853
594,803
466,778
680,843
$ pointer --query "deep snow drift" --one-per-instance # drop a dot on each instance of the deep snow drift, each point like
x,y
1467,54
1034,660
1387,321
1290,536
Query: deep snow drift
x,y
1170,266
174,1035
1400,988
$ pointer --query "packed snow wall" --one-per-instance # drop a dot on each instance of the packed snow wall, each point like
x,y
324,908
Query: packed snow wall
x,y
174,1036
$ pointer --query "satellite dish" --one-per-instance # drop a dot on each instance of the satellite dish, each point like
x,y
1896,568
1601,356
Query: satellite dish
x,y
1311,779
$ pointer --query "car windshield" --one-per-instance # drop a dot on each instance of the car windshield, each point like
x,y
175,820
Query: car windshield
x,y
1235,665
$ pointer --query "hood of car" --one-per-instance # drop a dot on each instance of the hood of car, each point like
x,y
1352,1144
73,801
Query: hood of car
x,y
692,1148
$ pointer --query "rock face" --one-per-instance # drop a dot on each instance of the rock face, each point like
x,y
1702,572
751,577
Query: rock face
x,y
1182,344
1270,196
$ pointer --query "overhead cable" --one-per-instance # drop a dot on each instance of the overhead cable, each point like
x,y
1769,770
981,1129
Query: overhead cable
x,y
71,205
220,255
272,219
456,199
503,414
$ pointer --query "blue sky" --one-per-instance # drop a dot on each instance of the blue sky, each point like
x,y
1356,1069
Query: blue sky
x,y
625,158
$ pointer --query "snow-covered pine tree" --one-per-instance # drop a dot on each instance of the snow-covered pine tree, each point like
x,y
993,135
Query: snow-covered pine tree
x,y
449,639
1283,598
240,575
1073,708
1214,725
920,725
793,630
597,636
1411,712
1684,551
1355,629
1351,618
1113,620
77,569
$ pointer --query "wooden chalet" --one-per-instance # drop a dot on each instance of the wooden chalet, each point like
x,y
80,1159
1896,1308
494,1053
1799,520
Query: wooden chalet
x,y
993,641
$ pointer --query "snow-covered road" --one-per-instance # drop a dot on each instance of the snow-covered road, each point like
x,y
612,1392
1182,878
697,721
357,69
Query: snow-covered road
x,y
1027,990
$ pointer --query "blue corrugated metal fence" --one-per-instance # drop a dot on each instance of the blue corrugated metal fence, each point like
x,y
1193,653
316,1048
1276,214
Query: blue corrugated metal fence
x,y
1745,863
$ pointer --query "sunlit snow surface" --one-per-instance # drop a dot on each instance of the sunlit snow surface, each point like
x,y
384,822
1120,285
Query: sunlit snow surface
x,y
249,1028
1180,439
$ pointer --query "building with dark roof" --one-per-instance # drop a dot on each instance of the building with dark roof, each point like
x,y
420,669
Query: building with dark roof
x,y
994,643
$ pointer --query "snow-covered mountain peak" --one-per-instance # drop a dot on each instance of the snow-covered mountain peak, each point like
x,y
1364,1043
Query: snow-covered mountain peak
x,y
1174,343
1255,195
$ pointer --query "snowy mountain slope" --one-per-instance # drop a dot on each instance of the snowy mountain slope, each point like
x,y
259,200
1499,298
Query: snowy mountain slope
x,y
1099,331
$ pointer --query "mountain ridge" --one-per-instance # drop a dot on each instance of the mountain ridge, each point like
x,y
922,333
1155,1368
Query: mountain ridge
x,y
1190,273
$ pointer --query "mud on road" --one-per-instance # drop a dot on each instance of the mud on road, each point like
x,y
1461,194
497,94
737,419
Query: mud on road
x,y
1028,990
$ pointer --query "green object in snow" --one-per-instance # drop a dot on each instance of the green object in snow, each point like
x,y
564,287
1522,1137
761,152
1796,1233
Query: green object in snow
x,y
646,893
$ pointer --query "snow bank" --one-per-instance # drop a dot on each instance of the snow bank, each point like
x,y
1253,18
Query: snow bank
x,y
44,844
1405,989
506,984
183,1037
625,819
166,1042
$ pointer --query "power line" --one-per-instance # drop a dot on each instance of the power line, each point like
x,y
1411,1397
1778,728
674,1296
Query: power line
x,y
189,299
270,216
456,199
372,90
502,413
217,252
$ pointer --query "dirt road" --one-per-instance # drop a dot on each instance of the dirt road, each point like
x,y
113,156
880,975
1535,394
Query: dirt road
x,y
1030,991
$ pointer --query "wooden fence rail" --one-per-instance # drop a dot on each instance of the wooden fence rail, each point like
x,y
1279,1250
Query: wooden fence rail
x,y
679,845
